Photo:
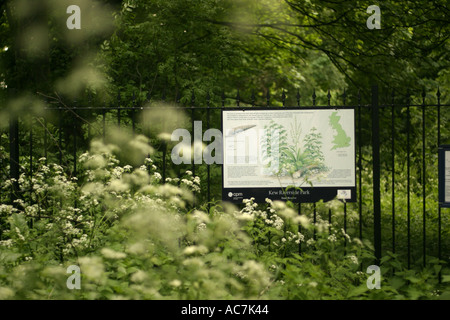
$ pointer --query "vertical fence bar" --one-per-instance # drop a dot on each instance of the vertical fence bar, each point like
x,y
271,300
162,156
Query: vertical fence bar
x,y
345,226
146,132
329,221
45,139
193,131
314,205
90,115
75,119
177,100
360,164
408,182
60,133
393,167
299,204
438,95
424,176
14,154
31,147
376,173
104,122
31,164
345,203
299,228
208,166
164,144
118,110
133,121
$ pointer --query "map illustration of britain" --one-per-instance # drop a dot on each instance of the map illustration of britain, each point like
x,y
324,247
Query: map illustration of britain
x,y
341,140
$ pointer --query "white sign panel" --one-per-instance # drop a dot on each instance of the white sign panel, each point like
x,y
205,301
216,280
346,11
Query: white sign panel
x,y
266,151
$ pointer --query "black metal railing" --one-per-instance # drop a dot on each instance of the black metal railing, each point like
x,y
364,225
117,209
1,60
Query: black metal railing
x,y
392,137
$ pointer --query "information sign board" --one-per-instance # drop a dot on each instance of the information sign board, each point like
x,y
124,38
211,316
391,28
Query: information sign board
x,y
301,155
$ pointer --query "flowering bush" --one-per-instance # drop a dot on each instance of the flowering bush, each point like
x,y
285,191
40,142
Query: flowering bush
x,y
134,237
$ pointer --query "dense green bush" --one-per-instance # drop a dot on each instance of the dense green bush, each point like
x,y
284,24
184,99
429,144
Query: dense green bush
x,y
136,238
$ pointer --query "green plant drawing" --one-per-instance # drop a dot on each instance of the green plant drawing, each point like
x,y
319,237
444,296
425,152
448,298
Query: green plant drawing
x,y
300,159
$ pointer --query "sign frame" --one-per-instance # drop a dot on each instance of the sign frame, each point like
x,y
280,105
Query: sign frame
x,y
444,182
308,194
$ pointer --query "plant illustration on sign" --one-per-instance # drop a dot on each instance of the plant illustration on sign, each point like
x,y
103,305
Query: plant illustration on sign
x,y
300,159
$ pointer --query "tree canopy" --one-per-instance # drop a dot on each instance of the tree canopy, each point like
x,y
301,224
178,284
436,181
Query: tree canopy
x,y
210,46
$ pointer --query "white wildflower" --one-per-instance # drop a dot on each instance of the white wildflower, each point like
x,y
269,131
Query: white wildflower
x,y
195,249
201,227
139,276
157,176
92,267
19,234
7,243
354,259
197,180
111,254
175,283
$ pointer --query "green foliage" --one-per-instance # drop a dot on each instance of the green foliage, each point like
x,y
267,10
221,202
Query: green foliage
x,y
135,238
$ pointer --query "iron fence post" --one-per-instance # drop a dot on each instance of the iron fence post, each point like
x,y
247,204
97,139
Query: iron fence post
x,y
14,154
376,173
